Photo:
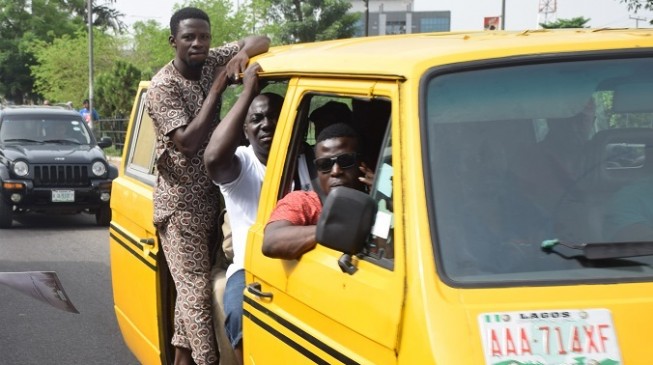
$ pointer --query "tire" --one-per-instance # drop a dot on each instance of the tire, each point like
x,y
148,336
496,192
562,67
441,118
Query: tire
x,y
5,214
103,216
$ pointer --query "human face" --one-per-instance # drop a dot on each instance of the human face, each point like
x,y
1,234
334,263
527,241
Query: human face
x,y
338,176
191,44
260,123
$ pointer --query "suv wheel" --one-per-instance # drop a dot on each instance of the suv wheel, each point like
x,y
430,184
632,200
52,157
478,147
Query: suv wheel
x,y
103,216
5,214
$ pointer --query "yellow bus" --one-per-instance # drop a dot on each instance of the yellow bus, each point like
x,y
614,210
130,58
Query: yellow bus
x,y
510,221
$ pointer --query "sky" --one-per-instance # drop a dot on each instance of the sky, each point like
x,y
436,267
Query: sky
x,y
465,14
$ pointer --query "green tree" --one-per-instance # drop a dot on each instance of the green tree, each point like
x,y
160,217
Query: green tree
x,y
308,20
26,22
578,22
105,17
227,24
636,5
23,22
150,48
60,70
115,90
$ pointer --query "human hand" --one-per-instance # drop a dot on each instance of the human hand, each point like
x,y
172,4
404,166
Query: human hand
x,y
236,66
250,76
368,175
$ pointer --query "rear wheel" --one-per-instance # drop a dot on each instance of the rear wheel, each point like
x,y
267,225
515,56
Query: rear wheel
x,y
5,214
103,216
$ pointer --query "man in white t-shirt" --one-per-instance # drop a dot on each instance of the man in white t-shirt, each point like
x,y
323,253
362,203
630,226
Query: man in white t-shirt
x,y
239,172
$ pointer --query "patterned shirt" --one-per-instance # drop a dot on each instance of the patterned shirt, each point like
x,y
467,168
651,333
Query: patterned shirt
x,y
301,208
172,102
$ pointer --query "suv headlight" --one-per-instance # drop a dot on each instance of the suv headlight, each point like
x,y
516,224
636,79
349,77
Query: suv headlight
x,y
21,168
98,168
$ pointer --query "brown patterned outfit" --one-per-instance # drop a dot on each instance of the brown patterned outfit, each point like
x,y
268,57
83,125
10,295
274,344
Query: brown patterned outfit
x,y
186,202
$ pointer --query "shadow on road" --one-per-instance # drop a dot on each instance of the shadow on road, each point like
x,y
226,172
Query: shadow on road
x,y
35,221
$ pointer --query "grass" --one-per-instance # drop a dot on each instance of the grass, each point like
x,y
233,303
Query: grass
x,y
113,151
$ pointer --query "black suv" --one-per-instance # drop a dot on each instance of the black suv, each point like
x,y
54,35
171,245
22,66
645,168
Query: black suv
x,y
50,162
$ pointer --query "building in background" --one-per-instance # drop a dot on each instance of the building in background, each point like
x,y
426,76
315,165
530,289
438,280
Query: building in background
x,y
398,17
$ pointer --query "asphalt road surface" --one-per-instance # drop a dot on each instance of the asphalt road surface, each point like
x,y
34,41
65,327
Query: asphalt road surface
x,y
33,332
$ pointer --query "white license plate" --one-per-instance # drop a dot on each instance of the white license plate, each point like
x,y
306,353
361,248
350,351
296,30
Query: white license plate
x,y
63,196
569,336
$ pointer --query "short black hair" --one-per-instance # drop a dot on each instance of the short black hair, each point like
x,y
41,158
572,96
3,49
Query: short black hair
x,y
85,101
332,112
186,13
338,130
275,99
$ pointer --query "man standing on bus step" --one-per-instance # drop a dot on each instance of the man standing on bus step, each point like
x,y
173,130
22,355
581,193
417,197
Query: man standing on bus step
x,y
184,102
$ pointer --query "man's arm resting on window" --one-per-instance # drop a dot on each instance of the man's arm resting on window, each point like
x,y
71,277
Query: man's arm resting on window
x,y
283,240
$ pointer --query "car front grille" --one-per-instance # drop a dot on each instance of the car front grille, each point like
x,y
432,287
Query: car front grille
x,y
60,175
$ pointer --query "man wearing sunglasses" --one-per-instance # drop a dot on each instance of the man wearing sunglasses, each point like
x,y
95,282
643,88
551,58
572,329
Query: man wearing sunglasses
x,y
290,232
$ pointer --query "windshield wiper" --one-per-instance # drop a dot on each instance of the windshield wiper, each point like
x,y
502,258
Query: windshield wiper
x,y
605,250
62,141
22,140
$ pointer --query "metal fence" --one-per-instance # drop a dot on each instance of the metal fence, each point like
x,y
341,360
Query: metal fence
x,y
114,128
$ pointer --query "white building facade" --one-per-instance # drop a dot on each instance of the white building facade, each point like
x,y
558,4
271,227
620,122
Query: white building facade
x,y
397,17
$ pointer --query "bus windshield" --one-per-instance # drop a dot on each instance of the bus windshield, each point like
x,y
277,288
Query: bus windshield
x,y
532,166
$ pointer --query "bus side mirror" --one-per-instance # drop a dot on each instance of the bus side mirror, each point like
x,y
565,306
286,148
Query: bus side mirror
x,y
346,222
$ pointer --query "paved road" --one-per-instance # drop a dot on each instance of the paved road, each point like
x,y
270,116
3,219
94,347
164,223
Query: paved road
x,y
32,332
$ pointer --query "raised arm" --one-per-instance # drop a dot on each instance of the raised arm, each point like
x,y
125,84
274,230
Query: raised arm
x,y
189,139
219,157
249,47
283,240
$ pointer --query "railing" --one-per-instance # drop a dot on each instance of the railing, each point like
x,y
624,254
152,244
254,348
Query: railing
x,y
114,128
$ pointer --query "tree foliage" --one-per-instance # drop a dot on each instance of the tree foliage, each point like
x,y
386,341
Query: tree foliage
x,y
637,5
61,71
309,20
115,90
150,48
227,24
25,22
21,22
44,43
578,22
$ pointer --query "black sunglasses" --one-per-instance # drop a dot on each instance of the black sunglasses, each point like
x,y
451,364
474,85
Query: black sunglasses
x,y
345,161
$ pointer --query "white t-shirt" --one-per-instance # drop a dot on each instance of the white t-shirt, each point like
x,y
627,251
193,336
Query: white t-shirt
x,y
241,198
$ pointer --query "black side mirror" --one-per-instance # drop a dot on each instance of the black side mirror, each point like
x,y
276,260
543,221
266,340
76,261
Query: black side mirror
x,y
105,142
346,222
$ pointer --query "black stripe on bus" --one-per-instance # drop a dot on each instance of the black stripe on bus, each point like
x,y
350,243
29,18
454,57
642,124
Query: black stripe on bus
x,y
298,331
302,350
131,250
132,241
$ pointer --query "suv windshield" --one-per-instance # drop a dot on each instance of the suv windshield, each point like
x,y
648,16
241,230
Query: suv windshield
x,y
49,129
529,162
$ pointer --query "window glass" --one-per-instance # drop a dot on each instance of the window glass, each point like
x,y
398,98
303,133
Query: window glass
x,y
141,157
145,140
370,118
380,246
523,157
45,128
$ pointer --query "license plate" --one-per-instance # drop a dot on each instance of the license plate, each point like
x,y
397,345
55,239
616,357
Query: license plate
x,y
63,196
585,336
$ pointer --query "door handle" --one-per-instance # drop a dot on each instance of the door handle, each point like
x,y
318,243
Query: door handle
x,y
147,241
255,288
